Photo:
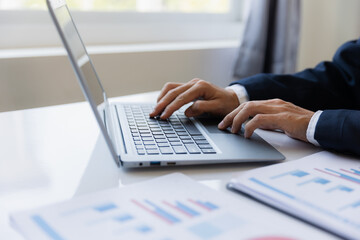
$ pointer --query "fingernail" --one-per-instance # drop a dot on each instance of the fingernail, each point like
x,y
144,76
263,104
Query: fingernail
x,y
221,125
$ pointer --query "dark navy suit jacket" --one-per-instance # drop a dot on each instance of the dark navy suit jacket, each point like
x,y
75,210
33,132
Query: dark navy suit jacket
x,y
331,86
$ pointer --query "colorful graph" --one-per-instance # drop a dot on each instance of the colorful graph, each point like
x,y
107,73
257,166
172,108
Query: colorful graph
x,y
105,207
183,209
157,211
100,208
205,205
339,175
165,209
295,173
352,171
340,188
317,180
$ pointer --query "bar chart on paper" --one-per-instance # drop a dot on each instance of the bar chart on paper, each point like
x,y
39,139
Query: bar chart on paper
x,y
323,187
141,217
156,210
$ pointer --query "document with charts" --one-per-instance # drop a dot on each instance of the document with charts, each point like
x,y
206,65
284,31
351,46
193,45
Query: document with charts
x,y
165,208
323,189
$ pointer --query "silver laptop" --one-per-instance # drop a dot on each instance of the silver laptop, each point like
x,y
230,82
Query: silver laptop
x,y
134,139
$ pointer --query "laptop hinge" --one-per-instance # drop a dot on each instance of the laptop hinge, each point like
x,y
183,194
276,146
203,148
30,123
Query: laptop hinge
x,y
113,128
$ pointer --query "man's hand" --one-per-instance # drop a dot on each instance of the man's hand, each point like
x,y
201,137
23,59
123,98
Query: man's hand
x,y
212,99
269,114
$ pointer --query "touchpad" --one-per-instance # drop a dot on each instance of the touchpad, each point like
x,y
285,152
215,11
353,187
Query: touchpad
x,y
211,124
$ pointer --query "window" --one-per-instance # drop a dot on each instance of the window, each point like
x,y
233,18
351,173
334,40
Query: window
x,y
185,6
123,21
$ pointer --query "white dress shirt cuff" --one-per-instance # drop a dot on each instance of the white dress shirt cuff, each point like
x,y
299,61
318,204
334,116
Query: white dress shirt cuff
x,y
310,132
240,92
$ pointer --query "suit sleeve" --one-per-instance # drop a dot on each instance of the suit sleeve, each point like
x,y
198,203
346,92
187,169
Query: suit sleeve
x,y
330,85
339,130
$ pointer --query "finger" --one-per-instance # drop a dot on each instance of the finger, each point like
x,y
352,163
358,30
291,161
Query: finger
x,y
251,109
199,107
264,121
192,93
228,119
167,87
169,96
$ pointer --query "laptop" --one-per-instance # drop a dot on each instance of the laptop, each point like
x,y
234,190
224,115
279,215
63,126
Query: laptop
x,y
135,139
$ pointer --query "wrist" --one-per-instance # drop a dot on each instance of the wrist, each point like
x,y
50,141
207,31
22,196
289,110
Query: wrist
x,y
233,97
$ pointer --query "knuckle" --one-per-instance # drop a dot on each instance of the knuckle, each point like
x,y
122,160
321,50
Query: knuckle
x,y
202,83
278,101
248,106
172,92
195,80
259,118
169,85
180,97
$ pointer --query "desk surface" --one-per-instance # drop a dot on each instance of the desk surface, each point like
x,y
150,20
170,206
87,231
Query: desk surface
x,y
54,153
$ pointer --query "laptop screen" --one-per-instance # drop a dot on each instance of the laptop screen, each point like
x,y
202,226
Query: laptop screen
x,y
80,55
82,65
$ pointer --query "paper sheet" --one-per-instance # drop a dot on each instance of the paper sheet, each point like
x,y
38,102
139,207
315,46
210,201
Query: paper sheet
x,y
166,208
323,188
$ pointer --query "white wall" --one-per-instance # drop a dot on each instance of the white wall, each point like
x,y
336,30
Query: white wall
x,y
29,82
326,24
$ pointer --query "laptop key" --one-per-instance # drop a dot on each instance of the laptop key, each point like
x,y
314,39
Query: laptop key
x,y
152,152
187,141
205,146
161,140
199,138
151,147
179,149
171,136
159,136
201,142
163,144
141,152
208,151
147,138
176,143
174,140
182,133
192,148
185,137
166,150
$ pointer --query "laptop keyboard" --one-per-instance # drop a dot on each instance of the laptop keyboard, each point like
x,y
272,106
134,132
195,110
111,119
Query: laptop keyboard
x,y
176,135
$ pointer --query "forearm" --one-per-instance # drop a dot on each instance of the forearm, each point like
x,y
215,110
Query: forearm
x,y
329,85
305,89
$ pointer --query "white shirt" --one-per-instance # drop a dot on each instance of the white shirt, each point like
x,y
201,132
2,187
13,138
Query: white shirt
x,y
243,96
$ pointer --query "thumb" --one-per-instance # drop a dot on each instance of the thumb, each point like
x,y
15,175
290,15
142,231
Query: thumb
x,y
199,107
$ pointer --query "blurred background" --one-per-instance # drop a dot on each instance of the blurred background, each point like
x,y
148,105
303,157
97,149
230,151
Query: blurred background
x,y
138,45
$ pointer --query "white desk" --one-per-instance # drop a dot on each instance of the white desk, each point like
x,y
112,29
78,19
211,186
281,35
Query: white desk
x,y
51,154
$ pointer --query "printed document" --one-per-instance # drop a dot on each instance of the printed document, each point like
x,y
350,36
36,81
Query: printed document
x,y
323,189
165,208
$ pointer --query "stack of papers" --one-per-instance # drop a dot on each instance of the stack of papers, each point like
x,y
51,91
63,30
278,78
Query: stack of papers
x,y
165,208
323,189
